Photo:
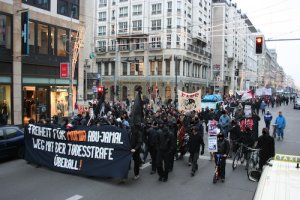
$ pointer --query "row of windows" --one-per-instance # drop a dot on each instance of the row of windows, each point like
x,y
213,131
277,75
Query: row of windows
x,y
69,8
137,25
138,10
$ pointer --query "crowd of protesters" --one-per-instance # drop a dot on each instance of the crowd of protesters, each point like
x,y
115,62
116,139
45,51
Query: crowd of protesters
x,y
167,135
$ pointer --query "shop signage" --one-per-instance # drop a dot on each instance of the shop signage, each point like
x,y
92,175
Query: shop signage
x,y
64,70
92,151
25,32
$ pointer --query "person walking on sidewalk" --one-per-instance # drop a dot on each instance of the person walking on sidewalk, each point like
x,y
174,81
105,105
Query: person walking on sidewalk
x,y
281,124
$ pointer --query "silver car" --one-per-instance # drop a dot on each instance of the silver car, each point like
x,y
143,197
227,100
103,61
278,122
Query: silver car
x,y
297,104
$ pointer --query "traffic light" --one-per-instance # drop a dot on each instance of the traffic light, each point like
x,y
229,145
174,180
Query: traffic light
x,y
236,73
259,45
100,91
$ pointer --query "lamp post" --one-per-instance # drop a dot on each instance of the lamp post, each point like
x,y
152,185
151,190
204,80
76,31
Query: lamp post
x,y
176,68
70,100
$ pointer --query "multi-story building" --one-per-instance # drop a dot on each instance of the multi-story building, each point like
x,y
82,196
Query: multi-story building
x,y
155,44
30,83
233,47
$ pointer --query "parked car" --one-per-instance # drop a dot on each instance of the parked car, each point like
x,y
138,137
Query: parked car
x,y
297,103
11,142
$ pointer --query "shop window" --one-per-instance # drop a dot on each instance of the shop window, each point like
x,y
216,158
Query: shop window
x,y
31,37
52,32
43,39
168,92
152,65
5,104
62,42
159,68
5,31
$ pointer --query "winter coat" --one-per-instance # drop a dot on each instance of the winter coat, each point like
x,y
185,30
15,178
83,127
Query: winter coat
x,y
280,121
268,117
266,144
195,141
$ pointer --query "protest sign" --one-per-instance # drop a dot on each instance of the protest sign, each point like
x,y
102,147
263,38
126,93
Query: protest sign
x,y
93,151
189,101
212,144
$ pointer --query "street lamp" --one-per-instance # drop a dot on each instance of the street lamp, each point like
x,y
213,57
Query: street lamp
x,y
176,68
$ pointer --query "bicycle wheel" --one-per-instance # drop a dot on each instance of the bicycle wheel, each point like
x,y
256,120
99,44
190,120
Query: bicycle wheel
x,y
251,167
236,159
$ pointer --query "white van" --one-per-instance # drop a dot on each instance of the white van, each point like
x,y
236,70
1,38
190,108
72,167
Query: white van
x,y
280,179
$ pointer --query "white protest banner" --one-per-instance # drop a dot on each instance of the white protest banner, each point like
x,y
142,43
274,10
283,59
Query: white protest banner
x,y
213,127
189,101
212,144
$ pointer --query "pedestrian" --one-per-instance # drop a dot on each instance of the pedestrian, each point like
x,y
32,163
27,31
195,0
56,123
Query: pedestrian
x,y
196,140
263,107
268,118
266,144
235,133
281,124
136,143
224,123
223,149
164,148
152,141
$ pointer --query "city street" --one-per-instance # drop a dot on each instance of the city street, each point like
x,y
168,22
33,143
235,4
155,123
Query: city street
x,y
20,180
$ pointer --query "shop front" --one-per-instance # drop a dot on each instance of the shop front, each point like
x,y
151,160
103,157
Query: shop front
x,y
5,104
44,102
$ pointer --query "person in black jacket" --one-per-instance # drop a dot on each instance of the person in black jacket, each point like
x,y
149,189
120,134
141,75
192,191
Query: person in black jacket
x,y
196,140
152,141
164,148
223,149
136,143
235,134
266,144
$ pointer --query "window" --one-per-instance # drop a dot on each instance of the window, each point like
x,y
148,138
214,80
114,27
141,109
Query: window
x,y
5,31
113,68
31,36
102,3
68,8
156,24
133,68
101,46
123,12
61,42
123,1
178,22
152,67
52,39
10,133
170,6
113,14
155,42
159,68
179,6
102,16
124,66
177,40
156,9
169,40
137,10
43,4
137,25
106,69
101,30
123,27
43,39
168,67
112,29
169,22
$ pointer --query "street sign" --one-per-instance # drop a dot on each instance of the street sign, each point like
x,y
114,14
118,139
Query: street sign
x,y
94,89
64,70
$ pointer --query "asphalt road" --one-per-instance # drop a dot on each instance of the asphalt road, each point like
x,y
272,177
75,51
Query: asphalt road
x,y
19,180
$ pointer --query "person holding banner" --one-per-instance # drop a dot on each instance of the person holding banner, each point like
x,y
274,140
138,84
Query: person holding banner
x,y
223,149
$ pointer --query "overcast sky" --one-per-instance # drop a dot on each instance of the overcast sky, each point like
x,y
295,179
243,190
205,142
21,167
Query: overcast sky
x,y
278,19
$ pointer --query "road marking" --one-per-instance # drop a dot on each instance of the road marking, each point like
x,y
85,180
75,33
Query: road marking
x,y
75,197
145,165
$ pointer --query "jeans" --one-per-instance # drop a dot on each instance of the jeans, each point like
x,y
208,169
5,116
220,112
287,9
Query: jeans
x,y
222,165
268,124
280,132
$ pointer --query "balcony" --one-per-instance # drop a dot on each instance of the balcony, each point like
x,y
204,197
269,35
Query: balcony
x,y
112,49
124,47
100,50
138,47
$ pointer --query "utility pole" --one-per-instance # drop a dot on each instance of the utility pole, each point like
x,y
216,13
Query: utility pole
x,y
115,71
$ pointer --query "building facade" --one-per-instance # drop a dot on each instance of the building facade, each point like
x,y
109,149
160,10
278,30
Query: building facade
x,y
160,45
30,84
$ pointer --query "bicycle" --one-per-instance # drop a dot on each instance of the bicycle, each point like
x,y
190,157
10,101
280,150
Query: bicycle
x,y
239,156
217,173
252,162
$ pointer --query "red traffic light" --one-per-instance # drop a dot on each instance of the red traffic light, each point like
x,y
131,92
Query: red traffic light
x,y
100,89
259,40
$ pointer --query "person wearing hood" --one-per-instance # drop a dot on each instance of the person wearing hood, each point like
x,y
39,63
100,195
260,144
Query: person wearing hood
x,y
263,107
